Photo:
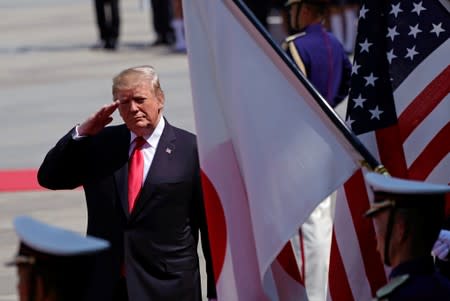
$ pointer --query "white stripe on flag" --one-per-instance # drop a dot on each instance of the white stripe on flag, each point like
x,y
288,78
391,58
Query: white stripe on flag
x,y
348,243
417,80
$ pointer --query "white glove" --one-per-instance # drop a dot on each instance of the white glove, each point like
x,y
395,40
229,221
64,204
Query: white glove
x,y
441,247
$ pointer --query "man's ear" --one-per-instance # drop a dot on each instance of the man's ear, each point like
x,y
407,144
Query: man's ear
x,y
160,97
161,101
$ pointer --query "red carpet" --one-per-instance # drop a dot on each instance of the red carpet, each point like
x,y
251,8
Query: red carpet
x,y
19,180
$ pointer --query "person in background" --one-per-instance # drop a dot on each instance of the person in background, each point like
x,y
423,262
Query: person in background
x,y
161,12
143,193
107,13
178,27
53,264
408,216
317,53
343,21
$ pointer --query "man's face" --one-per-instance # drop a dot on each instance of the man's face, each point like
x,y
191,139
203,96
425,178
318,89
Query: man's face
x,y
139,107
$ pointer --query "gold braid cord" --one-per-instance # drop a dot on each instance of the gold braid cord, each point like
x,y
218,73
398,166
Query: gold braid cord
x,y
379,169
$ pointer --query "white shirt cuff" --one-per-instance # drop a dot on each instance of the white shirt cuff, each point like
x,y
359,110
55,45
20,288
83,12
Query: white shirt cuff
x,y
76,135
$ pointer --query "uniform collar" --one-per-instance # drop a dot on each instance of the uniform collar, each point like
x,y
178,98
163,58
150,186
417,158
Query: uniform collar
x,y
422,265
315,27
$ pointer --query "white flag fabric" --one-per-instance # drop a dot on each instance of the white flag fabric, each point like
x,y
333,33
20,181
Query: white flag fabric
x,y
268,152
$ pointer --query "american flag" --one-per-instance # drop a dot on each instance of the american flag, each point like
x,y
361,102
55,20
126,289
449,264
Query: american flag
x,y
399,105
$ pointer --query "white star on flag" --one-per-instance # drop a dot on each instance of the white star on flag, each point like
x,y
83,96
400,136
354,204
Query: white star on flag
x,y
365,46
362,12
418,8
395,9
375,113
411,52
359,101
349,122
392,32
437,29
391,56
370,80
413,31
355,68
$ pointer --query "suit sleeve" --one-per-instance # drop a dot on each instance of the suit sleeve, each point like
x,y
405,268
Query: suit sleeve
x,y
65,164
202,223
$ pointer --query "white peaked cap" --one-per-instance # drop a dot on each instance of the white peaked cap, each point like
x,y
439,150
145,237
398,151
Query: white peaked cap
x,y
387,184
55,241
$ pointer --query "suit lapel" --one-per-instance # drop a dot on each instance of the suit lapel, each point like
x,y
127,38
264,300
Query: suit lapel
x,y
163,155
121,175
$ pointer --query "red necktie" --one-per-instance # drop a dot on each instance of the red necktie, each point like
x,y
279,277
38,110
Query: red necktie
x,y
135,172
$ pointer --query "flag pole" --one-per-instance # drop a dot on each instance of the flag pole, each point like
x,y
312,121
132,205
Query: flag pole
x,y
369,159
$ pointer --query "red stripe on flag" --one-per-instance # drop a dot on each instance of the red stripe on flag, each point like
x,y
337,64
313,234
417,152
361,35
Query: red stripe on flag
x,y
302,255
217,229
434,152
288,262
419,109
19,180
339,290
358,203
391,152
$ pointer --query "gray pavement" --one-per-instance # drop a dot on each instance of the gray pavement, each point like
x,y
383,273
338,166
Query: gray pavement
x,y
49,81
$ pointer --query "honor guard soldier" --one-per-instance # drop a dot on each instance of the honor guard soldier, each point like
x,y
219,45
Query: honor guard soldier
x,y
408,216
317,52
53,264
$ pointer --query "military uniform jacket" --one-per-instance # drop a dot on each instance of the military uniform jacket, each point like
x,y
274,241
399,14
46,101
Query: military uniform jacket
x,y
415,280
321,57
157,242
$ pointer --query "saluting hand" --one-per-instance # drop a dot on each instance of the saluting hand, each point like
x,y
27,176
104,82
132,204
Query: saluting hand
x,y
98,121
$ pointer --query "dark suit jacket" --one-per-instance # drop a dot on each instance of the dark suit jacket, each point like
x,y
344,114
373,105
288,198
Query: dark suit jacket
x,y
157,242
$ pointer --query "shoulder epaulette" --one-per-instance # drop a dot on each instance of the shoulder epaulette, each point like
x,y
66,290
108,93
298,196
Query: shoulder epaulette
x,y
395,283
294,36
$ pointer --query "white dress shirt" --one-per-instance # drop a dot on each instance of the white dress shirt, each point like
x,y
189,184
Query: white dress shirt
x,y
149,148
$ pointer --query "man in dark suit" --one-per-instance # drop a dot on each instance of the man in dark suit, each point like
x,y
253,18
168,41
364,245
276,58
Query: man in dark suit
x,y
153,229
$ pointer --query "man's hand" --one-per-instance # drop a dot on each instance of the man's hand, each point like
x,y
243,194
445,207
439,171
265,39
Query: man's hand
x,y
98,121
441,247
